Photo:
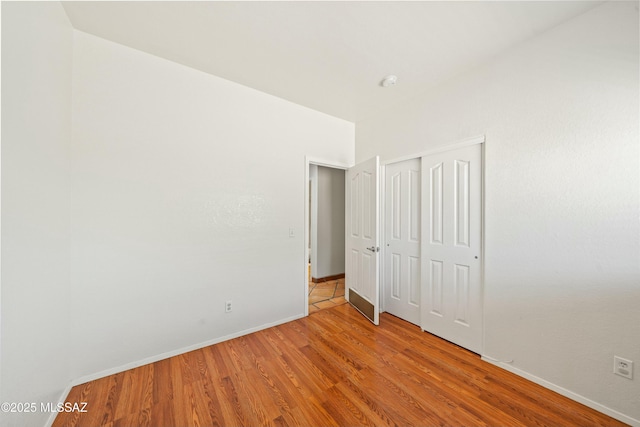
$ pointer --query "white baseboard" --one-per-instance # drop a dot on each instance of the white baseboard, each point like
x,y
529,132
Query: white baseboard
x,y
172,353
63,396
162,356
566,393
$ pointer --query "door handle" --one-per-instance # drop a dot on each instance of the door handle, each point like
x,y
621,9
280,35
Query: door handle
x,y
374,249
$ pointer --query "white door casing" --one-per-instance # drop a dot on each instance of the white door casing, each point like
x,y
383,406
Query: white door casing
x,y
308,161
451,246
362,244
402,240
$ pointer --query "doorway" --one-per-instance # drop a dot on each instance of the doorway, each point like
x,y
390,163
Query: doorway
x,y
325,231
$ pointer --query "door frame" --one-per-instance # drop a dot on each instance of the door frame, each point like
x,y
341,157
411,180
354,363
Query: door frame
x,y
310,160
480,139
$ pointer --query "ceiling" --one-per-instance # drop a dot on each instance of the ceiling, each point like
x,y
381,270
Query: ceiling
x,y
325,55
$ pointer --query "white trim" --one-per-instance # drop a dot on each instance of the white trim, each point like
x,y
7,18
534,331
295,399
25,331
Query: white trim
x,y
326,163
307,225
563,391
309,160
172,353
1,317
378,254
440,149
161,356
63,398
483,239
382,231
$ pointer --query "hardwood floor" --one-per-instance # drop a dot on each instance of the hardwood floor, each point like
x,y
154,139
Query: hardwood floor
x,y
333,368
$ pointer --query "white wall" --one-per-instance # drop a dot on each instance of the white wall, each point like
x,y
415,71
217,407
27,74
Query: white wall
x,y
36,134
330,222
185,186
560,114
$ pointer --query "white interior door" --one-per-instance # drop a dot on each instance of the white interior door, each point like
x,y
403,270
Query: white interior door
x,y
402,240
451,246
362,244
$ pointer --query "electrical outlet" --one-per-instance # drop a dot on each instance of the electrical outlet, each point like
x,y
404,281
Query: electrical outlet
x,y
228,306
623,367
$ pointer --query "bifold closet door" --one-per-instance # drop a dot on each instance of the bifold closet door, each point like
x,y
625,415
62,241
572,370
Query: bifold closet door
x,y
451,246
402,240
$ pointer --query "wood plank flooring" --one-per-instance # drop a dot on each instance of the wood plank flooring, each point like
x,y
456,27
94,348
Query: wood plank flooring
x,y
333,368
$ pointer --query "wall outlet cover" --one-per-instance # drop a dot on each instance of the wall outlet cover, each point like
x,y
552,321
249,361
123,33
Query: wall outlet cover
x,y
623,367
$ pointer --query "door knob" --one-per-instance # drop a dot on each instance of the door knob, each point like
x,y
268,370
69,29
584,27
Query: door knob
x,y
373,249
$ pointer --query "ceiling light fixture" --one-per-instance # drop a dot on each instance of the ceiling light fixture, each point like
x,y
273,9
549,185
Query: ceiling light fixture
x,y
389,81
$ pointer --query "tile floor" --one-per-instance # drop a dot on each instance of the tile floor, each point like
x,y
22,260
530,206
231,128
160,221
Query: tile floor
x,y
325,295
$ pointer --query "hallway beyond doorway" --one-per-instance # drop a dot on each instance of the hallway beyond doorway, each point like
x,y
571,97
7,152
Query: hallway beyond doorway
x,y
325,294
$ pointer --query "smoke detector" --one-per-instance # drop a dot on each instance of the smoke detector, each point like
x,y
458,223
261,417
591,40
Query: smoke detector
x,y
389,81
